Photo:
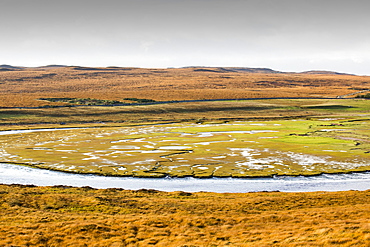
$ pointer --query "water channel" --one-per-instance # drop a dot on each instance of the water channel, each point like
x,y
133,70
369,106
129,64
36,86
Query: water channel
x,y
15,174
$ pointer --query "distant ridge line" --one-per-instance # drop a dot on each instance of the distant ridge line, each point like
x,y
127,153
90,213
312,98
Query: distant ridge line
x,y
6,67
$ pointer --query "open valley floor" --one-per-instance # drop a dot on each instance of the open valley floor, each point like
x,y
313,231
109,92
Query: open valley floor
x,y
190,123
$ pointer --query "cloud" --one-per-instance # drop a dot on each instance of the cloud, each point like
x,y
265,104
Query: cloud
x,y
145,45
282,33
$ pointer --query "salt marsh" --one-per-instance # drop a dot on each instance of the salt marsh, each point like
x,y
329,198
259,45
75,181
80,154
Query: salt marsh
x,y
240,149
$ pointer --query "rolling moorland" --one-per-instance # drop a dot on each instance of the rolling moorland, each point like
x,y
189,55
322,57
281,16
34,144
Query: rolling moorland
x,y
114,83
320,112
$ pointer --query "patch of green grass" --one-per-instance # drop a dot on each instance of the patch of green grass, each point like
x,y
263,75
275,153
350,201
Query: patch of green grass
x,y
351,105
5,116
366,96
329,107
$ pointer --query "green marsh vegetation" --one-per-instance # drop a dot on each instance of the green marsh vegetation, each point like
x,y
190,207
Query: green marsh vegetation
x,y
366,96
233,139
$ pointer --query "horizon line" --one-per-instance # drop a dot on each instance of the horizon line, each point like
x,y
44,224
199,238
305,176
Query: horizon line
x,y
181,67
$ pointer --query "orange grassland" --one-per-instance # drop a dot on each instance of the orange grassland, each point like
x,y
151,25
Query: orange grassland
x,y
24,87
66,216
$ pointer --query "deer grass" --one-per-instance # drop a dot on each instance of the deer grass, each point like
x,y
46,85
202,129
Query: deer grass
x,y
67,216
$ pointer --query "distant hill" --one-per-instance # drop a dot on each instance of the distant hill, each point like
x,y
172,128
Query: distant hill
x,y
52,66
260,70
6,67
323,72
9,67
254,70
231,69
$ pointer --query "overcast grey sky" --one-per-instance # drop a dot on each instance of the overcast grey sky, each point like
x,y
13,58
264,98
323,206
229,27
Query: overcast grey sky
x,y
287,35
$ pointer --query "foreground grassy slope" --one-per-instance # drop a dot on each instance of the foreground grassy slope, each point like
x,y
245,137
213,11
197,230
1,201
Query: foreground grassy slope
x,y
65,216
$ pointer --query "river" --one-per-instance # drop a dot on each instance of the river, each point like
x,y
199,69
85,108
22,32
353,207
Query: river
x,y
15,174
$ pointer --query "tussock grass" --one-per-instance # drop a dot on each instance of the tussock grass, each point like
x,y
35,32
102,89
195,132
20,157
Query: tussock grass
x,y
66,216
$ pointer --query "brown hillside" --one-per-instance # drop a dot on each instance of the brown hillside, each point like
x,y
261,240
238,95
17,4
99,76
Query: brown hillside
x,y
116,83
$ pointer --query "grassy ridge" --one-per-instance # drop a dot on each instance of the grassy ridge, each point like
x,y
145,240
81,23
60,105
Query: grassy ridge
x,y
191,111
166,84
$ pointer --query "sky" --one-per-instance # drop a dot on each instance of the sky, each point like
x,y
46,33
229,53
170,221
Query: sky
x,y
285,35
